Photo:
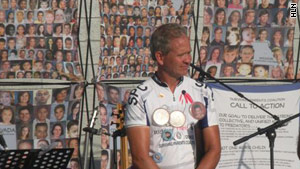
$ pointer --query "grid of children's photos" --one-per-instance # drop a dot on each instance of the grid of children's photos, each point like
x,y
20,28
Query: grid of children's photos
x,y
248,38
39,118
109,97
38,39
126,27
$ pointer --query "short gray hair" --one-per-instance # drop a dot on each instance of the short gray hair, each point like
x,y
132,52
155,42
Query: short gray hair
x,y
161,37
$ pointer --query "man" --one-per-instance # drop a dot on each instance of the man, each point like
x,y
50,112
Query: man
x,y
103,115
25,145
249,18
263,18
2,16
218,37
41,131
68,44
24,115
147,121
67,29
113,95
42,114
104,159
20,17
59,112
42,96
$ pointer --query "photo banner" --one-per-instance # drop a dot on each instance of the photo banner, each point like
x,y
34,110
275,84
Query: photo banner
x,y
109,97
33,119
248,39
126,28
239,118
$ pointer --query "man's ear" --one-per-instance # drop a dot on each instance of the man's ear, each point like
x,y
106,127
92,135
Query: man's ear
x,y
159,57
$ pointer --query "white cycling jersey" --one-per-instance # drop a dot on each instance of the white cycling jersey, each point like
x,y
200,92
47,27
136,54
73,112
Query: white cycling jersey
x,y
170,118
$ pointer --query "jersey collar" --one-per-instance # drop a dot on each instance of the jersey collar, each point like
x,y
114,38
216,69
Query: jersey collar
x,y
163,84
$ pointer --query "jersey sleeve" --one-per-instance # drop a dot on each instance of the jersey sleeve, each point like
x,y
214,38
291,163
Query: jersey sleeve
x,y
136,114
212,117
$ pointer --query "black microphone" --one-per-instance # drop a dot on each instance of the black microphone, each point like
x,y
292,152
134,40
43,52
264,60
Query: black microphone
x,y
2,142
92,130
202,72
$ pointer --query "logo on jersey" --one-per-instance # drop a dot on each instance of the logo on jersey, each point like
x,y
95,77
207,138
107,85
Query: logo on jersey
x,y
185,97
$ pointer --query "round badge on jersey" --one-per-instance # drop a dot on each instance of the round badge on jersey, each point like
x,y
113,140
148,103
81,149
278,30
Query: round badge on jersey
x,y
177,118
198,110
178,136
157,157
161,116
167,134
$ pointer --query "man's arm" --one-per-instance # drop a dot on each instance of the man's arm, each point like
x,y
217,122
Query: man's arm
x,y
212,147
139,141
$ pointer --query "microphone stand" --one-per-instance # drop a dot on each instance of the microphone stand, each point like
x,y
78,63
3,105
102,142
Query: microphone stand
x,y
269,130
90,131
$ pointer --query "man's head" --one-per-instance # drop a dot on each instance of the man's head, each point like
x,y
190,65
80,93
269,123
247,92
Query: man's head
x,y
25,115
263,17
41,130
42,96
230,54
246,54
42,113
113,94
249,16
218,34
104,158
162,37
59,112
25,144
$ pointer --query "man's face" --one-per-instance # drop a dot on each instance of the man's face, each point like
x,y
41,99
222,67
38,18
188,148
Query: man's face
x,y
2,16
42,114
67,29
40,16
104,161
61,96
59,114
73,132
20,16
2,31
68,44
4,4
32,4
24,115
24,146
218,35
230,56
23,4
38,66
176,62
42,96
250,18
11,44
139,32
41,132
246,55
11,30
103,116
263,19
114,95
228,70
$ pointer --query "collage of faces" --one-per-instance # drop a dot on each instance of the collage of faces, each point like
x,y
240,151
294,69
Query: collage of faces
x,y
109,97
248,38
126,28
38,39
43,117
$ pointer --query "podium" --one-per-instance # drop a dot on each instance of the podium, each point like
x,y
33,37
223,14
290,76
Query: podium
x,y
35,159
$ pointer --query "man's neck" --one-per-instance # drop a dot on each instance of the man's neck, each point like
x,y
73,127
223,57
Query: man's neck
x,y
169,80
